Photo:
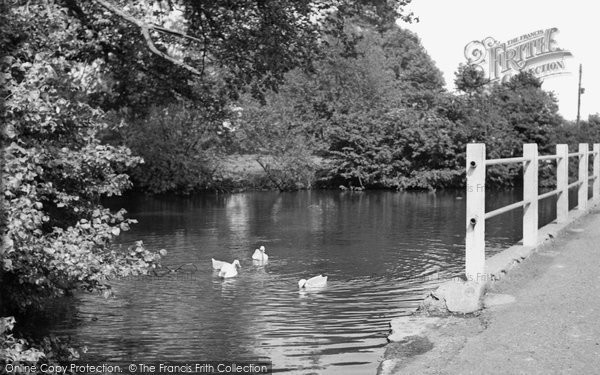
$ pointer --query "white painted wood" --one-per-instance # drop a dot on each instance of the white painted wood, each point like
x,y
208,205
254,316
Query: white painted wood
x,y
596,183
562,183
530,194
582,194
475,233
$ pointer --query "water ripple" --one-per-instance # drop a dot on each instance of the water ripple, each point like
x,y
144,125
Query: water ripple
x,y
381,251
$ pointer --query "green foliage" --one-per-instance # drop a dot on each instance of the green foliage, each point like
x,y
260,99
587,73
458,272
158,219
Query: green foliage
x,y
572,133
470,79
294,169
422,146
57,237
381,129
152,53
396,149
182,147
530,111
504,117
232,48
345,111
15,350
281,140
480,120
417,80
390,69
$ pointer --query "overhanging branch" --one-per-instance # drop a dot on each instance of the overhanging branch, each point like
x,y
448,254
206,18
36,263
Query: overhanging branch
x,y
145,31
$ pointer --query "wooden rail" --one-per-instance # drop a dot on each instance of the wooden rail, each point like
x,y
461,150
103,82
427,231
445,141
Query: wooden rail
x,y
476,215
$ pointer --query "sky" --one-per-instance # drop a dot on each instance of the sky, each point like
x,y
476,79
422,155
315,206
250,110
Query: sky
x,y
446,27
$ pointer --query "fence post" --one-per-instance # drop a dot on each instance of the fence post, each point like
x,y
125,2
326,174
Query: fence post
x,y
582,196
596,183
562,183
475,233
530,194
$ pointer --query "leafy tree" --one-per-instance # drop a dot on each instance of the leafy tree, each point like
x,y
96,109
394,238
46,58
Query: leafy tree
x,y
51,350
14,349
396,148
505,116
470,79
204,54
343,111
280,140
170,50
57,237
477,119
531,111
572,134
183,148
387,134
417,79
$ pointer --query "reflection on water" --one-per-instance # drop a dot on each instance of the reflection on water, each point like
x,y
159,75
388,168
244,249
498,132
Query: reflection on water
x,y
381,251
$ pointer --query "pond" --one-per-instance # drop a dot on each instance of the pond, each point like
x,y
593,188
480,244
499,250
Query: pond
x,y
381,251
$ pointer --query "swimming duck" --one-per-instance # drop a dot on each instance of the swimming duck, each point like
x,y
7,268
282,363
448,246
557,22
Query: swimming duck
x,y
314,282
229,269
259,254
217,264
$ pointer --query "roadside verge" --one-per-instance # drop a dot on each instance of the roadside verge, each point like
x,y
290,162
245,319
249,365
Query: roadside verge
x,y
552,288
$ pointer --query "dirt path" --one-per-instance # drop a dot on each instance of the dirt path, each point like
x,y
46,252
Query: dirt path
x,y
552,328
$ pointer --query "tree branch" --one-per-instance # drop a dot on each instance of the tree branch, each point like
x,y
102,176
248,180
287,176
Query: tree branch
x,y
145,30
146,33
176,33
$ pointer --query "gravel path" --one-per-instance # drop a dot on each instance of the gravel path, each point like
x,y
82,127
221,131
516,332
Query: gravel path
x,y
552,328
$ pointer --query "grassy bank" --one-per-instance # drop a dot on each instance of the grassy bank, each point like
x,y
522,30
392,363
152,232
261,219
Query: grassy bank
x,y
242,172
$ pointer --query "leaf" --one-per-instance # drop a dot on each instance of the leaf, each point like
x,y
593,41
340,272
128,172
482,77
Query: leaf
x,y
8,264
49,250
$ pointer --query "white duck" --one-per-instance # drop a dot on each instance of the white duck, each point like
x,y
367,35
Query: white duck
x,y
259,254
314,282
217,264
229,269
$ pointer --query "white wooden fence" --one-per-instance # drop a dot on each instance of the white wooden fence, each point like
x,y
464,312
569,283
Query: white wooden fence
x,y
476,215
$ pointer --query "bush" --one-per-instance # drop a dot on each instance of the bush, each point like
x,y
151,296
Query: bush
x,y
56,236
182,148
284,147
398,149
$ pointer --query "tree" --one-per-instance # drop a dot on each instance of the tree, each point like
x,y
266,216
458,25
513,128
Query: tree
x,y
470,79
505,116
531,111
572,134
182,145
279,136
182,49
343,110
204,55
396,148
56,235
417,79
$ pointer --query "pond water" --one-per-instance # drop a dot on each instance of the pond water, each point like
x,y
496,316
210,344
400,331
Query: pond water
x,y
381,251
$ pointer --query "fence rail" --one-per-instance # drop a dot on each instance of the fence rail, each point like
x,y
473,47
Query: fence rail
x,y
476,215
